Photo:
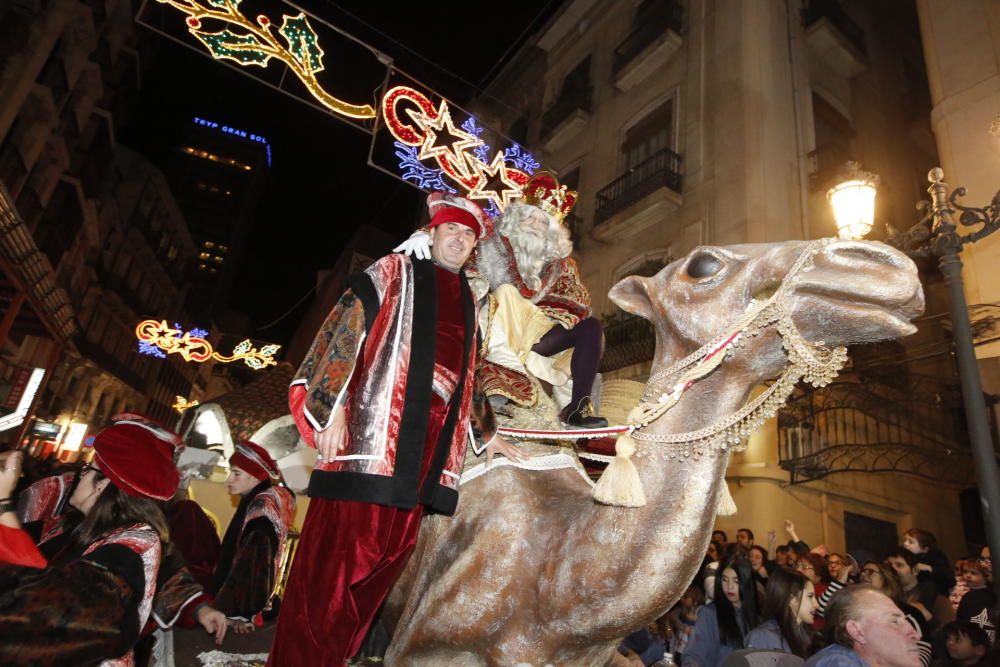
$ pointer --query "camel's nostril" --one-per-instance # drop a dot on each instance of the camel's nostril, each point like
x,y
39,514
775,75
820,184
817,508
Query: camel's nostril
x,y
867,251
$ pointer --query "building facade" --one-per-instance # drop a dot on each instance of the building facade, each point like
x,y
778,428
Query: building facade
x,y
217,173
698,122
96,242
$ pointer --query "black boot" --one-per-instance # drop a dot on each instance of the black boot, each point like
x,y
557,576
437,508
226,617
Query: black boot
x,y
582,415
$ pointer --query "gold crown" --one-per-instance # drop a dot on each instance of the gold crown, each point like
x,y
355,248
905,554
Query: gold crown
x,y
543,190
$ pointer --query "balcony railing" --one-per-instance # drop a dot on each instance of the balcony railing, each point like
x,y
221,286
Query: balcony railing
x,y
872,426
661,169
668,16
832,12
564,106
628,340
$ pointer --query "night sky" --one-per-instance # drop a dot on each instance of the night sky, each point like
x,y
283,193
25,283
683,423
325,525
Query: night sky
x,y
320,187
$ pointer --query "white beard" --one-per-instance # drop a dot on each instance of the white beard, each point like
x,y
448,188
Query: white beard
x,y
532,254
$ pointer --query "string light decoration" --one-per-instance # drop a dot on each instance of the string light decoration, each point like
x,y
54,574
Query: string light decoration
x,y
181,404
247,43
157,338
433,152
459,153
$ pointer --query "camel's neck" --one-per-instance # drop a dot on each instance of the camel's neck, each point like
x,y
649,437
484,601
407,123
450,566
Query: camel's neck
x,y
670,534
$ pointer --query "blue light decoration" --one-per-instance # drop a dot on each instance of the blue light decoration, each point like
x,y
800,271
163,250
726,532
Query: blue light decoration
x,y
521,159
249,136
414,171
147,348
482,151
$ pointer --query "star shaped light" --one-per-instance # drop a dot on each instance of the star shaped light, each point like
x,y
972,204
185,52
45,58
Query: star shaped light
x,y
444,141
494,182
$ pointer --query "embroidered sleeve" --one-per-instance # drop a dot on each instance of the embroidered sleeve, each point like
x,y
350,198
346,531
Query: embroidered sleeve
x,y
84,611
330,361
482,421
175,587
568,300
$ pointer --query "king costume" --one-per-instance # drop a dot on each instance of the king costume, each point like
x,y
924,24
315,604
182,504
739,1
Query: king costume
x,y
398,352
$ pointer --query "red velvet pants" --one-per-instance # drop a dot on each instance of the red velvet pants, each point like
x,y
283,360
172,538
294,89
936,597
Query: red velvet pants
x,y
348,558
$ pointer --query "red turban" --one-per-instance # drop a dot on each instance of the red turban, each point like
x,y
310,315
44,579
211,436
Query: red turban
x,y
137,461
445,207
255,460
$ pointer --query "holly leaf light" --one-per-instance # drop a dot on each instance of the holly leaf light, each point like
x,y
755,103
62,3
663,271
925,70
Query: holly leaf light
x,y
302,42
226,44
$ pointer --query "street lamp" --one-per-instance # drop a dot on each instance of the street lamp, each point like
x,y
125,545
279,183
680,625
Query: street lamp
x,y
937,236
853,202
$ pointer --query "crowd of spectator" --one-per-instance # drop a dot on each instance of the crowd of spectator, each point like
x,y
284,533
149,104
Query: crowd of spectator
x,y
795,604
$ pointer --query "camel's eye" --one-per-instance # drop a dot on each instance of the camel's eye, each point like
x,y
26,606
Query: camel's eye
x,y
704,265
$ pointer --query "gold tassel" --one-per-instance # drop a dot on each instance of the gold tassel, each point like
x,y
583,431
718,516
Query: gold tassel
x,y
620,484
727,506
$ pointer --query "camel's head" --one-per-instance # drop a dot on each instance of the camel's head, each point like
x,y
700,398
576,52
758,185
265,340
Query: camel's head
x,y
857,292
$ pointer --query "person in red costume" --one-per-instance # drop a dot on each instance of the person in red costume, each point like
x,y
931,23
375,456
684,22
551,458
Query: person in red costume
x,y
257,537
86,601
46,514
387,395
537,322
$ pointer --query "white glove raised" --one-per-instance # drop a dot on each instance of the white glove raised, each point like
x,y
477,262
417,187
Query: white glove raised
x,y
419,245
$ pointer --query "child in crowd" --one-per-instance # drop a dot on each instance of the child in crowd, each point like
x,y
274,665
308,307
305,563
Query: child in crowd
x,y
931,561
967,646
977,605
682,618
961,588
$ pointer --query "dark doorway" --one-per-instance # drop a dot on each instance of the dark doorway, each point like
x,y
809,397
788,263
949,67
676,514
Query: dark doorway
x,y
867,537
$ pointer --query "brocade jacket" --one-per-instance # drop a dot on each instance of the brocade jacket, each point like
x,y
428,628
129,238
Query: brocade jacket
x,y
375,355
252,551
85,610
562,296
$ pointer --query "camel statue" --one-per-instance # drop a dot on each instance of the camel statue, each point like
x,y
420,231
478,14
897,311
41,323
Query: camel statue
x,y
532,571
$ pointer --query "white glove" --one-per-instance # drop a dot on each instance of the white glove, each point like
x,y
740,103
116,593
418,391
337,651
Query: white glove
x,y
419,244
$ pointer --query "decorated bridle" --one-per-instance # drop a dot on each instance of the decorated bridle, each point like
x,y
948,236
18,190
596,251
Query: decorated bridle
x,y
815,363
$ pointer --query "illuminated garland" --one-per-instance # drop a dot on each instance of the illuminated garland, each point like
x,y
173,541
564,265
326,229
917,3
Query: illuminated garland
x,y
157,338
248,43
462,157
181,404
434,153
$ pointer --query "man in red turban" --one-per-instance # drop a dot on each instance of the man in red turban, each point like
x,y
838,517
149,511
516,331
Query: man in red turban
x,y
257,538
387,394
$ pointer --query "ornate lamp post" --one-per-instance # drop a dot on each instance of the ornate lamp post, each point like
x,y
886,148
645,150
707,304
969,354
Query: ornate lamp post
x,y
937,235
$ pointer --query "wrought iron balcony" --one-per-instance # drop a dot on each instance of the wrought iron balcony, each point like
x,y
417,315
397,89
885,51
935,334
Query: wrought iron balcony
x,y
916,428
667,15
628,339
661,169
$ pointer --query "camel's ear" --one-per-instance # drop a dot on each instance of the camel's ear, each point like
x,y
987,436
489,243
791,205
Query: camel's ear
x,y
631,294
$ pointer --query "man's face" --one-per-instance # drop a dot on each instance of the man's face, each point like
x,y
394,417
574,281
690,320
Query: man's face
x,y
902,569
882,635
451,244
240,482
835,563
743,539
535,223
